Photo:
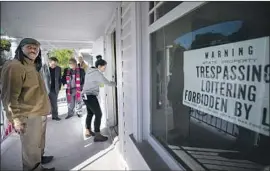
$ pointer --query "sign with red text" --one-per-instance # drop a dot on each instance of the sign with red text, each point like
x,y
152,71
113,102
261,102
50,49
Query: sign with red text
x,y
231,82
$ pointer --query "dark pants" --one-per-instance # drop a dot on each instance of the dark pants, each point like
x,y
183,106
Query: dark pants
x,y
93,108
53,98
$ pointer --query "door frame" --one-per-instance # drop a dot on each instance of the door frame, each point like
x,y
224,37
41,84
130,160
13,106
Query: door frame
x,y
115,76
109,54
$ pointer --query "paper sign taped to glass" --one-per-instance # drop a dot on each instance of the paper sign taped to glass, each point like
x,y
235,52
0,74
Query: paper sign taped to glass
x,y
231,82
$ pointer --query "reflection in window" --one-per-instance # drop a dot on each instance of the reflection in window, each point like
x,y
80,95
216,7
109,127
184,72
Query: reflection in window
x,y
198,139
166,7
161,8
218,33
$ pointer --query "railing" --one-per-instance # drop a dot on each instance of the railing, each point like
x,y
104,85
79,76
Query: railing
x,y
220,124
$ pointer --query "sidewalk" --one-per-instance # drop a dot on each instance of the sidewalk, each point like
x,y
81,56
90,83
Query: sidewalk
x,y
71,150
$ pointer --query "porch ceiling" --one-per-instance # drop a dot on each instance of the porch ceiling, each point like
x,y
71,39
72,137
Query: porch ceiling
x,y
57,24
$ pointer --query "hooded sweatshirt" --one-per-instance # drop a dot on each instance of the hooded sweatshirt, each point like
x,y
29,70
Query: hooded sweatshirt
x,y
93,80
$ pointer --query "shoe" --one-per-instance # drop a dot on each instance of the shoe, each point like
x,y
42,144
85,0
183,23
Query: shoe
x,y
100,138
46,159
57,119
68,116
48,169
89,133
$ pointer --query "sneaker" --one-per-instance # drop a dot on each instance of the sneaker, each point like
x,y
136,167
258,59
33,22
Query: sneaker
x,y
100,138
48,169
57,119
89,133
46,159
69,116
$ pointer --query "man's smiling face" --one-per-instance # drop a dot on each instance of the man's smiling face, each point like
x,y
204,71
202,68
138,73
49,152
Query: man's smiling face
x,y
31,51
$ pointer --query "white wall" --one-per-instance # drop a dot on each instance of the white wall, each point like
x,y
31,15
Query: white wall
x,y
98,47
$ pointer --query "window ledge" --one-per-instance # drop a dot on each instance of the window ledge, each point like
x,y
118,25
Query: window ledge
x,y
151,157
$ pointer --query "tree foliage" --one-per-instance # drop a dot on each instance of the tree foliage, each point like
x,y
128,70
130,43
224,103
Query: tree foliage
x,y
4,47
63,56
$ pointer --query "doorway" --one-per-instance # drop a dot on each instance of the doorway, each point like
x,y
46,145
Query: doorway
x,y
114,71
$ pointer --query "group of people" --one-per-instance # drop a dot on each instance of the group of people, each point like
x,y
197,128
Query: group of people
x,y
73,79
27,102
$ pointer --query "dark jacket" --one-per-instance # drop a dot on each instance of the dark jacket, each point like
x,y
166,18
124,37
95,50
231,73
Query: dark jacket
x,y
58,79
82,76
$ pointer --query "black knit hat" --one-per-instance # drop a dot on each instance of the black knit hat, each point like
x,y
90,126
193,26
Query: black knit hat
x,y
26,41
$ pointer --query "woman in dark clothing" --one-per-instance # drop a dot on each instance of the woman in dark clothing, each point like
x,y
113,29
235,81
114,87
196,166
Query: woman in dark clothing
x,y
93,80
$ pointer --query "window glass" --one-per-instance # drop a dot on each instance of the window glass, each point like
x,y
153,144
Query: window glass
x,y
151,5
210,86
161,10
166,7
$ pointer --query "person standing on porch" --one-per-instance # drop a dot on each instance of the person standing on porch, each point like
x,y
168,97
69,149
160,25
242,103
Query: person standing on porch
x,y
82,64
55,73
26,101
45,75
73,78
93,80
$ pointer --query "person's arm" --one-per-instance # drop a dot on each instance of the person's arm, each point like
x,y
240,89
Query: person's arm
x,y
85,67
104,80
12,87
64,80
60,78
82,73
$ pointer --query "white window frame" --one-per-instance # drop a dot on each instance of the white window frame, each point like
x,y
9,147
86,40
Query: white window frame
x,y
176,13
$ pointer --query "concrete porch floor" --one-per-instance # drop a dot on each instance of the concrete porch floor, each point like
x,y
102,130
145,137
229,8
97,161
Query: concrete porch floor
x,y
71,150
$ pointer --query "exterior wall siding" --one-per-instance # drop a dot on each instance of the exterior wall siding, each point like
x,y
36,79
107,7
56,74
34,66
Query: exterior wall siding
x,y
129,38
127,81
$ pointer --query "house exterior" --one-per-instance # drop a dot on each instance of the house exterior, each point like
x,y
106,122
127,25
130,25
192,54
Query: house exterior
x,y
174,90
192,83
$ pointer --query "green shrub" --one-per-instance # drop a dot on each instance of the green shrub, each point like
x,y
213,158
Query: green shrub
x,y
5,45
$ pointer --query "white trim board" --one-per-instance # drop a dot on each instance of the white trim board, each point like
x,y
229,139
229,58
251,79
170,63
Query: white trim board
x,y
146,71
179,11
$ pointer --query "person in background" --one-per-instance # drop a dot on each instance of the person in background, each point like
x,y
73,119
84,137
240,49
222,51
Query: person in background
x,y
73,78
93,80
55,73
82,64
26,101
45,75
